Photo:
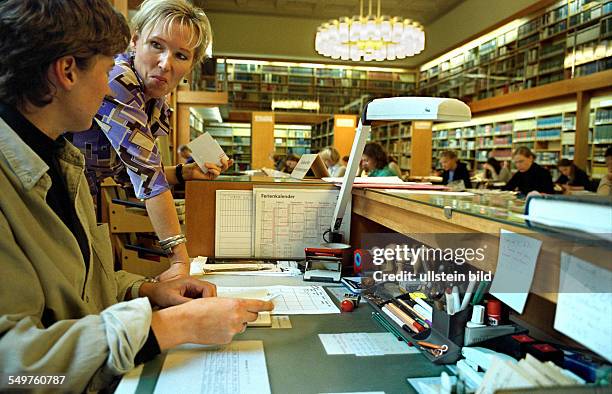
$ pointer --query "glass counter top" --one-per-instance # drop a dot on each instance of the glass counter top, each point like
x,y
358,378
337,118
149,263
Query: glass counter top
x,y
503,207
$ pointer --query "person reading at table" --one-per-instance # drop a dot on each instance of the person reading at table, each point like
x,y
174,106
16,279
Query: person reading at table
x,y
496,170
375,161
572,177
530,175
453,169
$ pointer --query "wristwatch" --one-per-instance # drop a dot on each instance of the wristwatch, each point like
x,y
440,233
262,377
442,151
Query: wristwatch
x,y
135,289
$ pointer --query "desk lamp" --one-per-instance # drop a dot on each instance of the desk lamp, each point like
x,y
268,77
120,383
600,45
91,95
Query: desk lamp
x,y
390,109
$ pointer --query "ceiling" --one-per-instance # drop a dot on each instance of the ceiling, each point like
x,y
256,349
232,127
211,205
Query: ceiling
x,y
423,11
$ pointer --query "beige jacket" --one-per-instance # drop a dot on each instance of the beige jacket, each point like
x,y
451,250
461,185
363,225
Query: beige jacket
x,y
54,317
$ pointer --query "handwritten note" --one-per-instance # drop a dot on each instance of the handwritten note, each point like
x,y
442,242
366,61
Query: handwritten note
x,y
516,264
364,344
237,368
584,304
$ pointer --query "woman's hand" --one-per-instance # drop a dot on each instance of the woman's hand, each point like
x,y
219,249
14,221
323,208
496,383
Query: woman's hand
x,y
192,171
177,270
178,291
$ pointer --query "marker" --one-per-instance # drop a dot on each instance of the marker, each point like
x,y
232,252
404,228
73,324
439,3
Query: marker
x,y
448,294
424,304
456,300
468,294
480,292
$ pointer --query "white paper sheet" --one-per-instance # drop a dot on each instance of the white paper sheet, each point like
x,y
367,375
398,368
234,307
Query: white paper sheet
x,y
584,304
291,300
205,149
516,264
431,385
129,381
234,223
237,368
288,220
502,375
365,344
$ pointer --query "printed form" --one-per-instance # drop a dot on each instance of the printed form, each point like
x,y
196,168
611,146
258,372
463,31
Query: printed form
x,y
288,220
237,368
287,300
234,223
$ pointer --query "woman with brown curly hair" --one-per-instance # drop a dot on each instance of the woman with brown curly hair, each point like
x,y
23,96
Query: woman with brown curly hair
x,y
375,161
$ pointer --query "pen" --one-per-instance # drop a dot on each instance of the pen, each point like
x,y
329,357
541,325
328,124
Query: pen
x,y
411,311
270,297
212,271
376,316
397,320
468,294
448,294
407,320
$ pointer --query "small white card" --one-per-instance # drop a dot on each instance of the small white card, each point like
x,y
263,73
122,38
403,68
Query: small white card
x,y
205,149
307,162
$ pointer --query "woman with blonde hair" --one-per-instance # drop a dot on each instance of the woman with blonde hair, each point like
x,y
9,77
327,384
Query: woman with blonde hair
x,y
331,158
169,38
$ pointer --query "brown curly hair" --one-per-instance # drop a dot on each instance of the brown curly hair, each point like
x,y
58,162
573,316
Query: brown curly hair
x,y
376,152
35,33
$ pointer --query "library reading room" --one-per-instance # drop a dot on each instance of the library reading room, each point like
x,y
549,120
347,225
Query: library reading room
x,y
306,196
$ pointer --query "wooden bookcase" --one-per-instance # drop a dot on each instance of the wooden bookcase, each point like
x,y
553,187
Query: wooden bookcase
x,y
337,131
252,85
549,130
566,40
292,139
409,142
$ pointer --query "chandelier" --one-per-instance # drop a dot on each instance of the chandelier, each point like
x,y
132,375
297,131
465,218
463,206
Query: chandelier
x,y
371,37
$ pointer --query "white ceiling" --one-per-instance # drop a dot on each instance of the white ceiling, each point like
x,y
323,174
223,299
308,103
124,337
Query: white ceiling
x,y
423,11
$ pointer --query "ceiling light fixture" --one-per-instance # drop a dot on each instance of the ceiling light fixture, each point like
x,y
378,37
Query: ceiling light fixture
x,y
371,37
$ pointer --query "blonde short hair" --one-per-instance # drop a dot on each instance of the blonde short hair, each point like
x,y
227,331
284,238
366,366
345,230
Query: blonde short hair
x,y
152,12
330,153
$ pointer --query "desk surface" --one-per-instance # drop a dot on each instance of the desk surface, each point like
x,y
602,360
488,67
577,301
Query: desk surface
x,y
297,362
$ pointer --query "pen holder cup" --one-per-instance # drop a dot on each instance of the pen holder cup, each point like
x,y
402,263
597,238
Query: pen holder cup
x,y
451,326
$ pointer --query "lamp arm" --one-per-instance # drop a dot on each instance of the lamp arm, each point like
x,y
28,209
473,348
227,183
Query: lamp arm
x,y
345,195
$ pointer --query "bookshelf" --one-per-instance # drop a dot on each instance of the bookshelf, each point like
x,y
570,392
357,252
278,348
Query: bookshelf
x,y
566,40
253,84
600,134
337,131
323,134
409,142
235,139
396,139
548,130
292,139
